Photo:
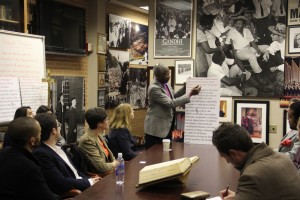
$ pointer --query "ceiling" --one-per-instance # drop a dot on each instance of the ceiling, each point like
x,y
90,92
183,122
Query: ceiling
x,y
134,3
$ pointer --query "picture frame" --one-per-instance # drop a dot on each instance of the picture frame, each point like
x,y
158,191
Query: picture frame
x,y
225,109
294,39
286,125
101,43
101,97
254,117
183,70
150,76
120,28
101,79
172,38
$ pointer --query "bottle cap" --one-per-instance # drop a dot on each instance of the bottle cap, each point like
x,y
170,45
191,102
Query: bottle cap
x,y
120,155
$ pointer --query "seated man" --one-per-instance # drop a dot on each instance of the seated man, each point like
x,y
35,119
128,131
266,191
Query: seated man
x,y
265,174
21,176
245,47
59,172
274,59
233,78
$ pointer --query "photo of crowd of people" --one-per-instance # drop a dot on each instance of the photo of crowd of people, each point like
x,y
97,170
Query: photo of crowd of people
x,y
292,78
243,43
137,87
173,28
119,30
138,53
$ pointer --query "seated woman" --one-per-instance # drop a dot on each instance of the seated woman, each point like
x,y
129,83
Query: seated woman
x,y
93,144
120,139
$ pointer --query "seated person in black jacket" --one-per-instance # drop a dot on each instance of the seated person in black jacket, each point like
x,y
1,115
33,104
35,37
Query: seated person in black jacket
x,y
58,170
21,176
120,139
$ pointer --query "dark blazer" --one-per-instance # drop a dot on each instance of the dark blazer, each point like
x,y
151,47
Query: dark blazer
x,y
58,174
21,176
121,141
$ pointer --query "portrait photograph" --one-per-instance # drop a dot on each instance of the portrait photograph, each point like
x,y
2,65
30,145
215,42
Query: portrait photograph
x,y
294,40
219,43
225,109
101,43
138,52
101,79
253,116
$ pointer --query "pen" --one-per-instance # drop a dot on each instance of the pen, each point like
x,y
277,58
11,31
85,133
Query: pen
x,y
226,191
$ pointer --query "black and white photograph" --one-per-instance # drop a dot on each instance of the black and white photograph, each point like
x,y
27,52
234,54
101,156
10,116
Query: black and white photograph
x,y
173,28
294,40
184,69
119,31
243,43
101,97
293,17
138,53
68,104
117,71
137,86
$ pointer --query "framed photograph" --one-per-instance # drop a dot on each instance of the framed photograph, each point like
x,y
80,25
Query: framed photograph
x,y
101,43
119,32
225,109
101,97
254,117
101,79
292,12
183,70
173,29
138,52
294,39
286,125
150,76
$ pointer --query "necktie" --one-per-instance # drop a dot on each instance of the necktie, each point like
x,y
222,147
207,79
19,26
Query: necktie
x,y
167,90
261,10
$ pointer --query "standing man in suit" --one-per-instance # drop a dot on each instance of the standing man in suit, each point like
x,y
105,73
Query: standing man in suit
x,y
60,113
160,117
21,176
71,119
58,170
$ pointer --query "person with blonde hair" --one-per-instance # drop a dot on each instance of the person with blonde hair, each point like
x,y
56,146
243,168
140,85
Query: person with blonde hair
x,y
120,140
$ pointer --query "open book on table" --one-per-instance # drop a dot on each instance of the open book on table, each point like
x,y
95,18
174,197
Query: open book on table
x,y
174,169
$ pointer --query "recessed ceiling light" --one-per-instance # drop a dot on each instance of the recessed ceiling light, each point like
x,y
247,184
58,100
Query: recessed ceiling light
x,y
145,7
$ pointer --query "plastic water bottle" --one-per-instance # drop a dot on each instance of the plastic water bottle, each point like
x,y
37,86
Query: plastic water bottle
x,y
120,170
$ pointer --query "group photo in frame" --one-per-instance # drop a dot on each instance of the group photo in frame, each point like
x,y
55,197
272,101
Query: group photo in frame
x,y
225,109
183,70
294,39
119,31
254,117
172,38
101,43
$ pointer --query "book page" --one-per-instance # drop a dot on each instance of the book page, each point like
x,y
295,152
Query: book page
x,y
194,159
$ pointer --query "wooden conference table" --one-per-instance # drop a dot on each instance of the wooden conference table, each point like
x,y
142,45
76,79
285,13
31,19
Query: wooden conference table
x,y
210,174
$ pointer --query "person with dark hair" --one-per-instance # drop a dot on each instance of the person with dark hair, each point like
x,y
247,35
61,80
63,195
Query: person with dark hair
x,y
247,121
297,41
265,174
21,176
205,23
60,113
290,143
71,119
245,48
232,78
20,112
60,174
160,117
45,109
93,144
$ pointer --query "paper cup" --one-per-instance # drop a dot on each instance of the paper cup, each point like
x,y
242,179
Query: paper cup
x,y
166,144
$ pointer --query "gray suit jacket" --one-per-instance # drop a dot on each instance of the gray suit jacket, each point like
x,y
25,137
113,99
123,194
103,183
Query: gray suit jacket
x,y
160,112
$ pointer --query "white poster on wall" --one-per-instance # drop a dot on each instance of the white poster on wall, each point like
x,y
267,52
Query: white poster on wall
x,y
202,113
